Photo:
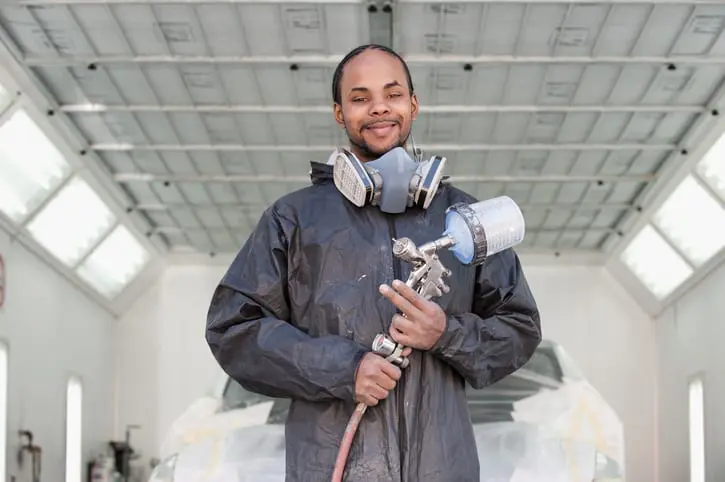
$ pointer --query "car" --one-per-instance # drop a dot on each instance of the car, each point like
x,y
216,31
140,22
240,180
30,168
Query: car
x,y
545,423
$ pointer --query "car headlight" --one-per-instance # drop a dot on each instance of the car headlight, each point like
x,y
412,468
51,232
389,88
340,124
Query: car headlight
x,y
164,472
606,469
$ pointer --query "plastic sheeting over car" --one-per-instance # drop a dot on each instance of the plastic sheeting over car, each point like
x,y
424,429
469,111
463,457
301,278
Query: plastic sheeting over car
x,y
299,307
544,423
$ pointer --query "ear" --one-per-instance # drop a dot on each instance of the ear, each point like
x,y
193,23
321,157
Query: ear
x,y
339,118
413,107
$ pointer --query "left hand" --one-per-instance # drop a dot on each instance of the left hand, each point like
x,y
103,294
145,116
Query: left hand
x,y
422,322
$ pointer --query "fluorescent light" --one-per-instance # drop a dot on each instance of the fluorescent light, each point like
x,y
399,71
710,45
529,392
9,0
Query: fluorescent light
x,y
697,431
712,167
655,263
72,222
30,166
114,262
693,221
3,409
74,431
5,98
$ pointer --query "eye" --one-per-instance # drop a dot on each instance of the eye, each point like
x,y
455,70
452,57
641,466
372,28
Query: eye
x,y
358,99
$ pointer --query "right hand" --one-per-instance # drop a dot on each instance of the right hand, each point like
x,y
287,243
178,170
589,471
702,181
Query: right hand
x,y
375,378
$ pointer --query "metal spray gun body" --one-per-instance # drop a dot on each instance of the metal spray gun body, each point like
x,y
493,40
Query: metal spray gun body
x,y
426,278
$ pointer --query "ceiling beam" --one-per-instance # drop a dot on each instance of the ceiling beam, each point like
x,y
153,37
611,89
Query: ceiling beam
x,y
261,206
239,229
241,178
565,2
128,147
90,108
333,60
244,2
48,3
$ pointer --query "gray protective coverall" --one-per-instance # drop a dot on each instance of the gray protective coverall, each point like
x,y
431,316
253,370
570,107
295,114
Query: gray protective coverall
x,y
299,306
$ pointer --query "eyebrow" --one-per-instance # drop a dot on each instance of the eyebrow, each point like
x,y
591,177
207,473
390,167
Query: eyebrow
x,y
394,83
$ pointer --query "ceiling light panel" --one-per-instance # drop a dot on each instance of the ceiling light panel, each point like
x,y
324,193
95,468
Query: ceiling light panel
x,y
5,98
712,167
114,263
655,263
693,221
72,222
30,166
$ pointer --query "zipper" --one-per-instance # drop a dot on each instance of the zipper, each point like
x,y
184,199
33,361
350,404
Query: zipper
x,y
397,269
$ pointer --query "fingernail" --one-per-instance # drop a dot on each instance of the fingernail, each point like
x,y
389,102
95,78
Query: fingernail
x,y
397,283
383,289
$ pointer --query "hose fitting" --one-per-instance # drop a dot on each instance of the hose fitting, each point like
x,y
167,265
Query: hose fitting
x,y
392,351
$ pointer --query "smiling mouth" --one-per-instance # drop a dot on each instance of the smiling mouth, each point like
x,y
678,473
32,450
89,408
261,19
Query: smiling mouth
x,y
381,127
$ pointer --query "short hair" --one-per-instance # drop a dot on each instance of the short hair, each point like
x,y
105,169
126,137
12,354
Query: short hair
x,y
337,77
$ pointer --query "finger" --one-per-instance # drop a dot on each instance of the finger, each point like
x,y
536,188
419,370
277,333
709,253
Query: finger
x,y
379,392
399,301
400,337
390,370
368,400
407,351
386,383
402,324
410,295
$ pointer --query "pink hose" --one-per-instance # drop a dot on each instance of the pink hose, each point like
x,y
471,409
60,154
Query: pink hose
x,y
347,442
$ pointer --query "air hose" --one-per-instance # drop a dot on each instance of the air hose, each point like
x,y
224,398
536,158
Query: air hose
x,y
392,352
347,441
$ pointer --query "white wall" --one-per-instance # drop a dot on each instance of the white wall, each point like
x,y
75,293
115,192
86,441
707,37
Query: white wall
x,y
164,356
163,361
612,340
53,331
690,338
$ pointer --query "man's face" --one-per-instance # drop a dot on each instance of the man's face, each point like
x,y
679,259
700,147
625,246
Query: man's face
x,y
377,109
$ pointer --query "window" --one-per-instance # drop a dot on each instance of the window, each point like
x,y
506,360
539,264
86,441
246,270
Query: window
x,y
73,431
655,263
712,169
496,403
114,263
30,166
236,397
3,409
697,431
693,221
544,363
78,205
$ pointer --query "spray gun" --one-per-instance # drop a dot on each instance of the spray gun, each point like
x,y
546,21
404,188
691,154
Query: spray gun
x,y
473,232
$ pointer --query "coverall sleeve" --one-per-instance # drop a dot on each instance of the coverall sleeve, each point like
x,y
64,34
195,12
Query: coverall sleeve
x,y
250,334
502,330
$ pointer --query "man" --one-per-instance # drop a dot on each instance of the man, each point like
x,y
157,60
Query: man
x,y
296,313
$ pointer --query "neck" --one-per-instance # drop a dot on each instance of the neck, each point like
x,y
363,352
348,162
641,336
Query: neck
x,y
366,156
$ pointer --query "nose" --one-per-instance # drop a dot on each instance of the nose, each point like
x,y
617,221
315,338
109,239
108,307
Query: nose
x,y
379,108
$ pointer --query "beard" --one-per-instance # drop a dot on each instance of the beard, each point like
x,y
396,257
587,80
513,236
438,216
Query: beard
x,y
367,151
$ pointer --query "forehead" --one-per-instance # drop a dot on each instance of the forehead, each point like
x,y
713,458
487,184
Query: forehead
x,y
372,69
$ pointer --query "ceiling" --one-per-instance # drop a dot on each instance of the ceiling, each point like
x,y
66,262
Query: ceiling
x,y
204,112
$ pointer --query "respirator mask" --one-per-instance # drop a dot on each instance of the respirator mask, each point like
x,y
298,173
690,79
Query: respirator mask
x,y
394,181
